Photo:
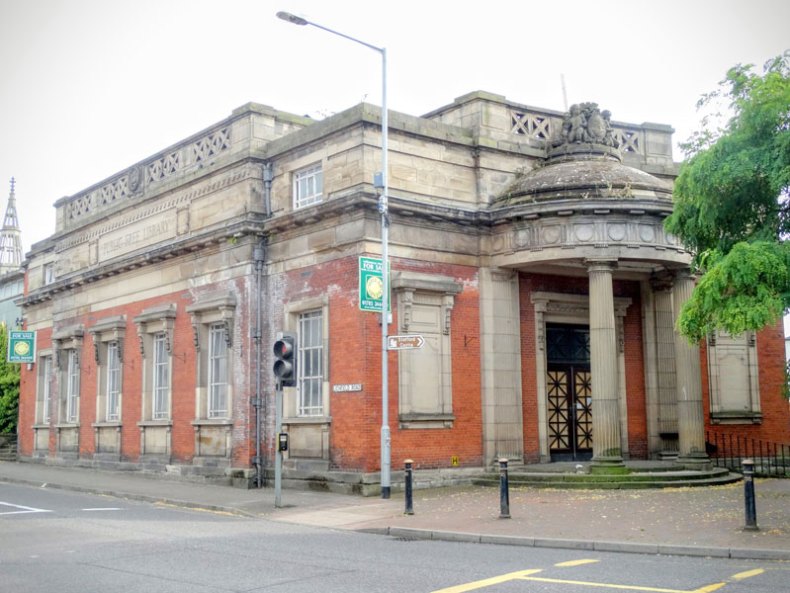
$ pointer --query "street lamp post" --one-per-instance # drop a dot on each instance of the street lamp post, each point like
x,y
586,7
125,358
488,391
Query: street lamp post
x,y
383,207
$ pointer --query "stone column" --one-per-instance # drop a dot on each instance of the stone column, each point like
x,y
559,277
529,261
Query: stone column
x,y
691,419
663,284
607,446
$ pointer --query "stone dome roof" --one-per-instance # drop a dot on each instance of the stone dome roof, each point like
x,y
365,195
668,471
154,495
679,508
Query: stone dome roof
x,y
584,171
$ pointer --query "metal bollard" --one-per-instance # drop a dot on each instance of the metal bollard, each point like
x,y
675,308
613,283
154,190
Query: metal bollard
x,y
409,497
748,495
504,495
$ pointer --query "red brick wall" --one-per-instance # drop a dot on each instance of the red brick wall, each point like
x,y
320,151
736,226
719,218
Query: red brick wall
x,y
183,382
355,357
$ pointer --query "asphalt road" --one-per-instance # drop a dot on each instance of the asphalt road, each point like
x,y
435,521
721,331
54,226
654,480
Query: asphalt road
x,y
52,540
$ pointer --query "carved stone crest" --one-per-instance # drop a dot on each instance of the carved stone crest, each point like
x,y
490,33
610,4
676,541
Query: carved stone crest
x,y
586,123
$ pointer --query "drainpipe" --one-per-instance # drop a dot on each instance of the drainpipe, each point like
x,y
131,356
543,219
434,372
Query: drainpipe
x,y
268,175
258,255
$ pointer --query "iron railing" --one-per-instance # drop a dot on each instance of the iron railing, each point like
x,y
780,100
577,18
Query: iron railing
x,y
727,450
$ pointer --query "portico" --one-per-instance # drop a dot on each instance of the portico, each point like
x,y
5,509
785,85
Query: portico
x,y
586,214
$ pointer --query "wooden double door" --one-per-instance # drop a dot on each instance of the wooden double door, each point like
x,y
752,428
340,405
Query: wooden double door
x,y
569,392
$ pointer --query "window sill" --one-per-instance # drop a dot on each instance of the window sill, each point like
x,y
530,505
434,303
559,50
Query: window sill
x,y
155,423
426,421
40,426
68,425
113,424
212,422
308,420
737,417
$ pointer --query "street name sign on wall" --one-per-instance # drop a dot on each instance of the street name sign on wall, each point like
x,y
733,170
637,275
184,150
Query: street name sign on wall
x,y
371,285
409,342
21,346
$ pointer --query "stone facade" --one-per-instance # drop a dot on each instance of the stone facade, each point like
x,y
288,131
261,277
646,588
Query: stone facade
x,y
158,297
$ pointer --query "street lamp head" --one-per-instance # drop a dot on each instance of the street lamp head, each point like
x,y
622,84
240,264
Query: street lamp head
x,y
291,18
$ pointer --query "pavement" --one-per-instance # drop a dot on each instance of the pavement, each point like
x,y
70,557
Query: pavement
x,y
698,521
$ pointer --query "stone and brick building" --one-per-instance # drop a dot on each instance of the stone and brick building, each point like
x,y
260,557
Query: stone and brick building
x,y
527,248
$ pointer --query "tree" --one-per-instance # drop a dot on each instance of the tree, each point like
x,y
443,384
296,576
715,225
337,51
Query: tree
x,y
732,205
9,386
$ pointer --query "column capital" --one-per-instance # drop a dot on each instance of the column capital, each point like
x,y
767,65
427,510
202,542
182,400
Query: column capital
x,y
662,281
603,264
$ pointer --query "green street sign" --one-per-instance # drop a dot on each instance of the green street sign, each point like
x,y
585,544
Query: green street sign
x,y
371,285
21,346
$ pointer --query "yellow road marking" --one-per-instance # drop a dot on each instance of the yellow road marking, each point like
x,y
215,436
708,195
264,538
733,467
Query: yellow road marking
x,y
607,585
526,575
749,573
577,562
709,588
488,582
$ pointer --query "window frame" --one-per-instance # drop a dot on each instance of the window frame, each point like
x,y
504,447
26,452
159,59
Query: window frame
x,y
72,404
310,386
308,186
160,377
217,364
213,310
292,395
108,346
44,389
155,332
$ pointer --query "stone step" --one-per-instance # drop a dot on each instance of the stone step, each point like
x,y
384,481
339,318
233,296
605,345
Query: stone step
x,y
715,477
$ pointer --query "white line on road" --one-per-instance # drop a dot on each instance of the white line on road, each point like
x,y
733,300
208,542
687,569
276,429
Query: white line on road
x,y
103,509
23,509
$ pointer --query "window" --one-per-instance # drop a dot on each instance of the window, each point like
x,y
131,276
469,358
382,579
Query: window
x,y
161,369
425,304
67,345
113,382
108,343
309,366
218,372
44,389
308,186
212,325
155,331
72,387
49,273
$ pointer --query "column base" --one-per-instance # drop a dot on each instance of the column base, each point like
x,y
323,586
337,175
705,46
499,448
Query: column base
x,y
608,465
693,462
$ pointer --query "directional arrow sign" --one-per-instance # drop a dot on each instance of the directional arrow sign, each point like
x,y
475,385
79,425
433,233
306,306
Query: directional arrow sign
x,y
405,342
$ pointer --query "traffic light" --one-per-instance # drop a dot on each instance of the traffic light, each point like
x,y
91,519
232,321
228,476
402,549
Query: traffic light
x,y
285,359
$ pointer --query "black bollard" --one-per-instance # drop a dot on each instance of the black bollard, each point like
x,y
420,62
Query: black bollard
x,y
748,495
409,498
504,495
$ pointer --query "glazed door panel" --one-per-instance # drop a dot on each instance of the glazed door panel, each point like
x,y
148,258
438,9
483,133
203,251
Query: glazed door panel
x,y
569,393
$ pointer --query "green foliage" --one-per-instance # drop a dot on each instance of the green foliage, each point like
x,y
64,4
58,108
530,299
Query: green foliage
x,y
9,387
732,206
742,290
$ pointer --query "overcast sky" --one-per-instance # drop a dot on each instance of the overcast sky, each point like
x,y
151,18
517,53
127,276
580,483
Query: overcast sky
x,y
90,87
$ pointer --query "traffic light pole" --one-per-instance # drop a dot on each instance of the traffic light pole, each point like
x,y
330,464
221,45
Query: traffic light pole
x,y
278,455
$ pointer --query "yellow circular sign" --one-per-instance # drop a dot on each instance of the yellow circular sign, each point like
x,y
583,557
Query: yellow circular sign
x,y
21,348
374,287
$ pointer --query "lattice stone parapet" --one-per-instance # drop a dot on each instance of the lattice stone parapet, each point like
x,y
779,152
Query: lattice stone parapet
x,y
533,125
138,178
542,126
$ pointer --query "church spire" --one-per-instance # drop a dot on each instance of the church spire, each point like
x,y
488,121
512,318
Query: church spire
x,y
10,237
